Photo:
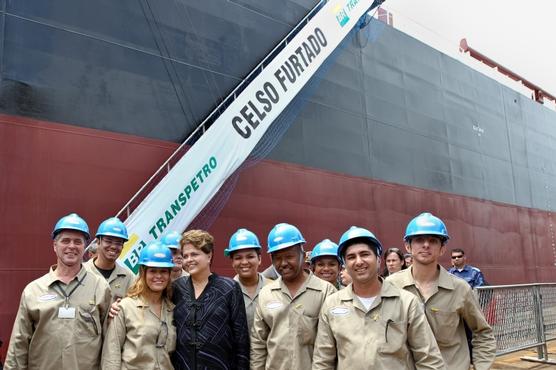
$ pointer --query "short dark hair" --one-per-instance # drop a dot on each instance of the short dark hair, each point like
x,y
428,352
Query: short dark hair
x,y
458,250
364,240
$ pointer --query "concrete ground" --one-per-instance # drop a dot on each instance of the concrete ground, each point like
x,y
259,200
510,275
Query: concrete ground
x,y
514,361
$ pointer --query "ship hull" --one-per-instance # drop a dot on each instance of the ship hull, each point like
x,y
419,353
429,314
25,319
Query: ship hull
x,y
94,96
65,168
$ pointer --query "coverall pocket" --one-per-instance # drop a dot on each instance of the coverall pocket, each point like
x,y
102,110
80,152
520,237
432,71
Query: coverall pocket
x,y
445,324
88,323
394,338
307,329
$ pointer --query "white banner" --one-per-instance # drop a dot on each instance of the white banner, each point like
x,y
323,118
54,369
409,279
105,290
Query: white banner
x,y
200,173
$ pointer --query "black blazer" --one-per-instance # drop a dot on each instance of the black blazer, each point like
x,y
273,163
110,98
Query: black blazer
x,y
212,331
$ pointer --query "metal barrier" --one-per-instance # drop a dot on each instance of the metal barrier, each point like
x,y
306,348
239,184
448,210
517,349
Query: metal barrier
x,y
522,316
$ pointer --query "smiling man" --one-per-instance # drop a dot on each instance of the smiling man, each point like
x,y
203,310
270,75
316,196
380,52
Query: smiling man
x,y
370,323
110,238
448,301
60,318
286,315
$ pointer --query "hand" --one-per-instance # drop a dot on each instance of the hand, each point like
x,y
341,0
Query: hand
x,y
114,309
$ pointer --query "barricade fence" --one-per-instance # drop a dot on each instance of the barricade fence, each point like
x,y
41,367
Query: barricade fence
x,y
522,316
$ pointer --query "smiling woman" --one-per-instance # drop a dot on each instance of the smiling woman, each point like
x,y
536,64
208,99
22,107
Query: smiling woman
x,y
209,313
143,334
244,250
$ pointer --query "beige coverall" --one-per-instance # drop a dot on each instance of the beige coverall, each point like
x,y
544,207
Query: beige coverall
x,y
138,339
392,334
250,303
120,279
285,327
42,340
451,303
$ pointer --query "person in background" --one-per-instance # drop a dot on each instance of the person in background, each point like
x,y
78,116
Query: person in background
x,y
449,302
110,238
286,315
345,279
472,275
143,335
325,263
90,252
244,251
474,278
372,324
270,273
59,324
307,263
394,261
172,241
408,259
209,314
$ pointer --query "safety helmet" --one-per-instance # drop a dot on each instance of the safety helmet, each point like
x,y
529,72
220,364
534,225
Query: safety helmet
x,y
71,222
325,248
283,236
355,232
112,227
242,239
156,254
172,240
426,224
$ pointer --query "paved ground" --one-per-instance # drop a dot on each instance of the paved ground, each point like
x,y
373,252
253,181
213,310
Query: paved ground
x,y
514,361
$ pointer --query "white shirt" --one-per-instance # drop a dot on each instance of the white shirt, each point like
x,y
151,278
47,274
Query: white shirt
x,y
367,301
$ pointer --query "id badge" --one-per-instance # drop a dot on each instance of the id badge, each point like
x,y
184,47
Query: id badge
x,y
66,313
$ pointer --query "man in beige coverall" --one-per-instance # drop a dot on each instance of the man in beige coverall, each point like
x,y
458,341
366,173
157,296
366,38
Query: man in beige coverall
x,y
448,300
372,324
61,315
111,236
286,315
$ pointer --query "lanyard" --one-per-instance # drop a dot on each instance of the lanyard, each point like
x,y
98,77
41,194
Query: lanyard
x,y
58,288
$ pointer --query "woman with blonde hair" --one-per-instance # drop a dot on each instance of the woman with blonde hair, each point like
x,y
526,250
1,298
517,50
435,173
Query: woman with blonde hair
x,y
209,312
142,335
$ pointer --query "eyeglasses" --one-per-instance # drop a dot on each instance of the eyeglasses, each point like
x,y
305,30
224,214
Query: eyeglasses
x,y
459,256
162,335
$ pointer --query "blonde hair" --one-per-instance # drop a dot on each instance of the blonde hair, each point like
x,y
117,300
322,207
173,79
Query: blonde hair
x,y
139,287
200,239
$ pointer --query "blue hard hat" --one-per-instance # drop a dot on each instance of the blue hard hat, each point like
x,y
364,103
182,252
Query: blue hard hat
x,y
426,224
325,248
112,227
355,232
172,240
71,222
283,236
242,239
156,254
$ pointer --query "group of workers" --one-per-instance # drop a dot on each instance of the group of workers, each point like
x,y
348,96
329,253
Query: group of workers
x,y
178,314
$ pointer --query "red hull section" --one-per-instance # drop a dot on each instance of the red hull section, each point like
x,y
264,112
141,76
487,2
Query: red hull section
x,y
48,170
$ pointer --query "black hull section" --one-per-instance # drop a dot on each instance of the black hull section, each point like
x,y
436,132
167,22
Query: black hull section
x,y
394,110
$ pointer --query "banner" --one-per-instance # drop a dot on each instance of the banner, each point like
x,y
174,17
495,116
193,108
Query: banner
x,y
200,173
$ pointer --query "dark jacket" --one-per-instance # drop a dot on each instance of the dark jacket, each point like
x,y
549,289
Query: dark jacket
x,y
472,275
212,330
